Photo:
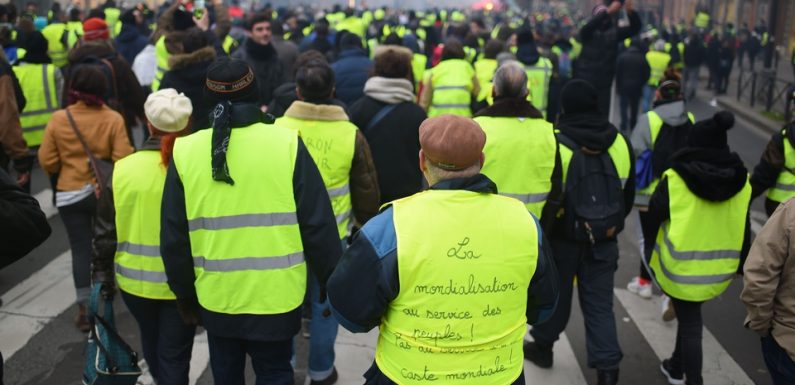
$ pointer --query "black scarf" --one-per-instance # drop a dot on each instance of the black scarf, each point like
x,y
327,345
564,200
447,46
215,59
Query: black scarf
x,y
225,116
259,52
589,130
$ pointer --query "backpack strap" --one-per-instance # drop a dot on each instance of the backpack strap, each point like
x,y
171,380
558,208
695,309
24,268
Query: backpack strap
x,y
381,114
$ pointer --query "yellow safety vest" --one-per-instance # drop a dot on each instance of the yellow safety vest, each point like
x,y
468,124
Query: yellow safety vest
x,y
698,249
138,181
418,64
520,157
55,48
112,19
161,55
702,20
658,61
75,29
37,82
618,151
484,70
642,196
331,145
467,324
785,184
353,25
538,77
247,253
229,43
451,81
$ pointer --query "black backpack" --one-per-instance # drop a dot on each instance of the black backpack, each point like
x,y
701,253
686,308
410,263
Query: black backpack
x,y
593,197
670,140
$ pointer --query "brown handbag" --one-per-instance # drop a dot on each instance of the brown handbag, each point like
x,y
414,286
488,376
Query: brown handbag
x,y
102,169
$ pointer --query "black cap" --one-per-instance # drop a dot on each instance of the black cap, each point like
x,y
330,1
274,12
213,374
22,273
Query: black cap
x,y
712,133
579,96
230,79
183,20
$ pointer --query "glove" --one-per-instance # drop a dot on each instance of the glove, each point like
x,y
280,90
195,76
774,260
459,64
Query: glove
x,y
189,311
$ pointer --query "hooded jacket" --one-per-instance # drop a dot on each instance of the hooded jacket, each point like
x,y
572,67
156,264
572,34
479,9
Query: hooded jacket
x,y
187,74
130,42
351,71
672,113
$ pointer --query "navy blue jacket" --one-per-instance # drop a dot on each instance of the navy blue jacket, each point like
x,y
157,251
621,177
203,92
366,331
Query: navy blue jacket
x,y
366,279
130,42
351,71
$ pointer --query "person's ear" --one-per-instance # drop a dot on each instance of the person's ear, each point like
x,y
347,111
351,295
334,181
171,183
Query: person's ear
x,y
423,167
482,159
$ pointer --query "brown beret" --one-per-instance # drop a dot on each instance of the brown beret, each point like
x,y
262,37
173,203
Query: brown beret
x,y
452,142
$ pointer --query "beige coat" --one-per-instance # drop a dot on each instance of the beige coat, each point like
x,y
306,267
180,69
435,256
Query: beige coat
x,y
769,292
61,151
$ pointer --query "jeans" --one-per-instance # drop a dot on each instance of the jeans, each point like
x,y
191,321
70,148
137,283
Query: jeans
x,y
648,97
691,81
629,105
78,218
165,339
270,360
594,269
687,357
323,334
779,363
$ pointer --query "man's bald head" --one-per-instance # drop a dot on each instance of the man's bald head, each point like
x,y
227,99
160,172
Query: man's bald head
x,y
510,80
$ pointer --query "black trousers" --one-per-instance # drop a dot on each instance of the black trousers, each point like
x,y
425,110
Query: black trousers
x,y
687,357
270,359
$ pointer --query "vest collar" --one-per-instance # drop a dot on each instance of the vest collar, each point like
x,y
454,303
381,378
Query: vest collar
x,y
478,183
308,111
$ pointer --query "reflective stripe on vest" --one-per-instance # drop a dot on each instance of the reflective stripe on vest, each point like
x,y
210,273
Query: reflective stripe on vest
x,y
538,76
643,195
138,181
331,144
784,188
658,62
38,85
520,157
697,251
484,70
451,81
618,151
465,326
161,56
248,255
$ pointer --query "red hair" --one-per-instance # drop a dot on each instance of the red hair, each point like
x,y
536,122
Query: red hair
x,y
167,140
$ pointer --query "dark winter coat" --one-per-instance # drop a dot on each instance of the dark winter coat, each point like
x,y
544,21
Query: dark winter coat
x,y
187,75
266,65
130,42
351,71
600,39
695,53
394,143
23,225
634,70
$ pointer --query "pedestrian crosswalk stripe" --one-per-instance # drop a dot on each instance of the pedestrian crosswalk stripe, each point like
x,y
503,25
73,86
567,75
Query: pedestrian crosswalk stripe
x,y
30,305
45,202
719,367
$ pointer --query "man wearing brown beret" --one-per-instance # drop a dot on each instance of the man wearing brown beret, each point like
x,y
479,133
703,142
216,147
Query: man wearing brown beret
x,y
471,270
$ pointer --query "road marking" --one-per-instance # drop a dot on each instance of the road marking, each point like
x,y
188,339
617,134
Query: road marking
x,y
36,301
200,357
565,369
719,367
45,201
758,220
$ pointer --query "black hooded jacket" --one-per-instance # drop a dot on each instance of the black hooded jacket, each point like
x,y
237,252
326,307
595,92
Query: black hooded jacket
x,y
600,39
711,174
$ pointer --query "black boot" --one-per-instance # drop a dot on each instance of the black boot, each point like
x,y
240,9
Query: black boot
x,y
607,377
539,354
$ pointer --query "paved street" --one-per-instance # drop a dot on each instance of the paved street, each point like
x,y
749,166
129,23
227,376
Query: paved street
x,y
42,347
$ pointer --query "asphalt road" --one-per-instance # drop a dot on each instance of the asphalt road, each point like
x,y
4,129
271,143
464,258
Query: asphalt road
x,y
53,354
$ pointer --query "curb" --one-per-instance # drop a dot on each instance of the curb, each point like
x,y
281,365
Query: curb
x,y
747,113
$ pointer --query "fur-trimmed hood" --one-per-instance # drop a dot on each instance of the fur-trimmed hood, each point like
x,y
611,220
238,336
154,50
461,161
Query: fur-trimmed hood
x,y
308,111
182,60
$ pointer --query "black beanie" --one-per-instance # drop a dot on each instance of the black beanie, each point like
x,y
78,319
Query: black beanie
x,y
579,96
230,79
183,20
712,133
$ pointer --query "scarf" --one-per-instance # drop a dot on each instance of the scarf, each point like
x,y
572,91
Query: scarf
x,y
389,90
90,100
225,116
259,52
589,130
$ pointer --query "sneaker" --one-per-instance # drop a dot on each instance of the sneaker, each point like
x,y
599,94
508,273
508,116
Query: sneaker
x,y
673,377
331,379
640,286
668,313
607,377
538,354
